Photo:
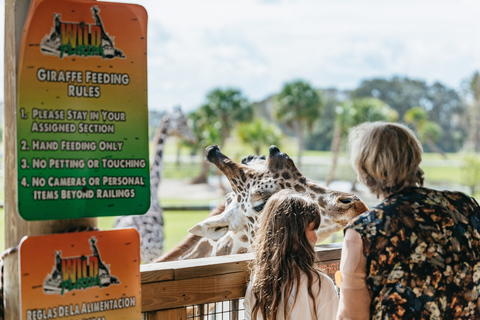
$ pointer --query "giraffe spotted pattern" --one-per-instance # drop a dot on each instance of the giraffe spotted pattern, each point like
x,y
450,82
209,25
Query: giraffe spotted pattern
x,y
231,229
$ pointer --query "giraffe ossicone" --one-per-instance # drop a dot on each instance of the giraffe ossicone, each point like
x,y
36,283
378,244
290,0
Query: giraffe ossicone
x,y
253,181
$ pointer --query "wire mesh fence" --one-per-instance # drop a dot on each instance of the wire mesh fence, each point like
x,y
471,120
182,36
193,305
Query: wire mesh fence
x,y
224,310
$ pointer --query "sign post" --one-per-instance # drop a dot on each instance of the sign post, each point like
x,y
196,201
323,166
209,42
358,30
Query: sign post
x,y
66,172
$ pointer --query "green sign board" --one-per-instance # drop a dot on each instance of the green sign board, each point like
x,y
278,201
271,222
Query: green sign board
x,y
82,116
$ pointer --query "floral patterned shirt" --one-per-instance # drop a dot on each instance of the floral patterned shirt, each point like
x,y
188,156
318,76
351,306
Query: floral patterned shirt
x,y
423,255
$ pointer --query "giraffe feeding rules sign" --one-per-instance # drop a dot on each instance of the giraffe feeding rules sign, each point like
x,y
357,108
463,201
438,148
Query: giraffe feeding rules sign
x,y
82,115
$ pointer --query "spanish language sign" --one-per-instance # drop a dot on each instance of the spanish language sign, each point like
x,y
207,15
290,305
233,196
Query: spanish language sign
x,y
81,275
82,114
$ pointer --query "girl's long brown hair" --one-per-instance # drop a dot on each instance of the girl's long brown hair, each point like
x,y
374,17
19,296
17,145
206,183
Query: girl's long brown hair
x,y
282,252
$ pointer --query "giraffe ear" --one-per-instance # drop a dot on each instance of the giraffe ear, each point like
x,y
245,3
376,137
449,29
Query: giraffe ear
x,y
210,229
215,227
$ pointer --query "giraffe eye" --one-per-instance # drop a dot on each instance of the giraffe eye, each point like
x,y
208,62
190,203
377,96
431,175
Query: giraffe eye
x,y
259,207
222,228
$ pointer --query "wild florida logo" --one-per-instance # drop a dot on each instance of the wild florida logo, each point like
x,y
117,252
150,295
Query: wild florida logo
x,y
80,39
78,273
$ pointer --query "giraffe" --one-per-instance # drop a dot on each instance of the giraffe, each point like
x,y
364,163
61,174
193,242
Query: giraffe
x,y
230,229
150,225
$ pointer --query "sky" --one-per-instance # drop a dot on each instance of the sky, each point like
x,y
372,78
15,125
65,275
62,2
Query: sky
x,y
257,46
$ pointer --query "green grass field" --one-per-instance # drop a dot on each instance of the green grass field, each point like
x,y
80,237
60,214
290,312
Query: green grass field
x,y
176,224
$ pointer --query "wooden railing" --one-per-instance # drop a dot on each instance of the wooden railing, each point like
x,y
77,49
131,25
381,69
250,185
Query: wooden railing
x,y
168,288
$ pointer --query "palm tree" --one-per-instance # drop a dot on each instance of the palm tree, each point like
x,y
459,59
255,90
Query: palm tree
x,y
215,120
298,105
225,108
352,113
259,133
428,132
206,134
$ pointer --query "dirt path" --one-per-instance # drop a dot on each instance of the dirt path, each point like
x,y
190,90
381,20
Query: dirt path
x,y
182,189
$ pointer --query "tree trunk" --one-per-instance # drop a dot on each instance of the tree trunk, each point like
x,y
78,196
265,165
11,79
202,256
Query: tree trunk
x,y
336,144
473,141
299,134
15,226
476,128
203,176
220,183
432,145
178,155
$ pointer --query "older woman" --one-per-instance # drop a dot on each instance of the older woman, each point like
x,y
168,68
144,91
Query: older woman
x,y
416,255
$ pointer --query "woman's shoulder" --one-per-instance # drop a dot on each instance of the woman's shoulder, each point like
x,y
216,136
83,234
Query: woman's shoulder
x,y
411,196
411,199
416,193
439,198
373,214
391,205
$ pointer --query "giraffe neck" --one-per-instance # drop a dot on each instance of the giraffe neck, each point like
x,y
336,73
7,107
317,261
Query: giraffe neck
x,y
157,163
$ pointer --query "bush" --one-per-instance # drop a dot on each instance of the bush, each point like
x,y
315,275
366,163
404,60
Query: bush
x,y
471,172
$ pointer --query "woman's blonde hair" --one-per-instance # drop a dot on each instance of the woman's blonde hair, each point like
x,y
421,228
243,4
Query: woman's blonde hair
x,y
386,157
282,252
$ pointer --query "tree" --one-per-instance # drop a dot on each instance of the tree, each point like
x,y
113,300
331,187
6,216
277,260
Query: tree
x,y
322,133
259,133
298,105
399,93
352,113
445,108
214,120
207,134
444,105
471,161
427,131
473,90
225,108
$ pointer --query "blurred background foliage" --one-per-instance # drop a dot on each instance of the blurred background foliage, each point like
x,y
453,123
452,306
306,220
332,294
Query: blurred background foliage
x,y
304,120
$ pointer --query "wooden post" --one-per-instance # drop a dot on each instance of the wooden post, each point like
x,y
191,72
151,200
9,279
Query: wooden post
x,y
15,227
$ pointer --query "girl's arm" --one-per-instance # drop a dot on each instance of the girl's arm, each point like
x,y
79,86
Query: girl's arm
x,y
354,296
328,306
325,303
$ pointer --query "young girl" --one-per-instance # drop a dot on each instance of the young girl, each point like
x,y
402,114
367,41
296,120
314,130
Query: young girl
x,y
285,283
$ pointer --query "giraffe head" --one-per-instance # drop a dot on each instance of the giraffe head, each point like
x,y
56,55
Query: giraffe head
x,y
253,182
175,124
